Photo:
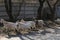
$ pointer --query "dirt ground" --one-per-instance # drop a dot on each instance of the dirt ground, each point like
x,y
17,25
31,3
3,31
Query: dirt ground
x,y
54,34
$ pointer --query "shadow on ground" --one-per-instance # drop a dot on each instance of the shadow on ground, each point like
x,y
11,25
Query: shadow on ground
x,y
27,35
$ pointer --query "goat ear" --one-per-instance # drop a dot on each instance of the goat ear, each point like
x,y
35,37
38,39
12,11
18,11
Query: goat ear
x,y
1,20
22,20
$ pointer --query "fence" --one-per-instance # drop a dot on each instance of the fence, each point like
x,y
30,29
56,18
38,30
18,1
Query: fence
x,y
28,10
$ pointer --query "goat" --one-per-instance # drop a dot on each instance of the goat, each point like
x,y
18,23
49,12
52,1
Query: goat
x,y
25,25
9,25
40,23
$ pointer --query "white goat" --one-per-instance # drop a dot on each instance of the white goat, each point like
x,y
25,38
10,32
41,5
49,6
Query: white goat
x,y
9,25
40,23
25,25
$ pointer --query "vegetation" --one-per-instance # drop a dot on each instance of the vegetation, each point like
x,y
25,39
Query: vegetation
x,y
8,6
52,9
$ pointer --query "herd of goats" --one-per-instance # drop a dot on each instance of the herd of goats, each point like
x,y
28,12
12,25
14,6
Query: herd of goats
x,y
25,27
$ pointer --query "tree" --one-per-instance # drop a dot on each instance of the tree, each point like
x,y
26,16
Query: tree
x,y
17,14
39,15
52,9
41,2
8,6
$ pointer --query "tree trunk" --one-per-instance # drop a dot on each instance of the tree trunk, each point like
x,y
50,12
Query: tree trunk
x,y
39,15
39,12
53,16
52,12
20,5
8,6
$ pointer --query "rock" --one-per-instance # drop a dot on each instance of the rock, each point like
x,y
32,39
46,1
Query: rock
x,y
3,35
57,31
3,38
50,30
57,35
40,31
58,27
15,38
